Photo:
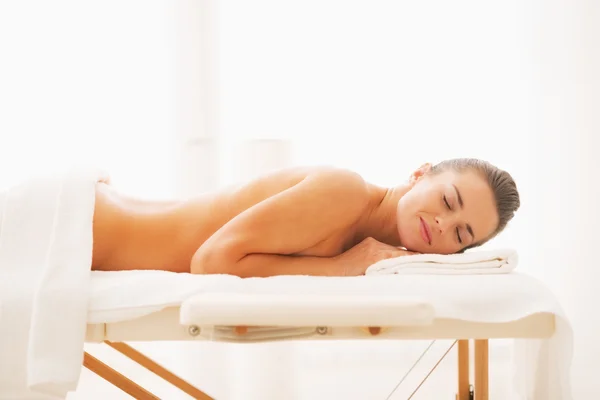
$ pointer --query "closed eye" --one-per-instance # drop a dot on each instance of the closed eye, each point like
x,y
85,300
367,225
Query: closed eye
x,y
458,235
447,204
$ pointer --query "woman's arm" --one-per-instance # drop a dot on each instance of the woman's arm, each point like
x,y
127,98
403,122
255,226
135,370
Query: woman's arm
x,y
261,240
265,265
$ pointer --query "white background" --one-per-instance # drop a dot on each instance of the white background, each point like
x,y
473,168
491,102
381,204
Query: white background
x,y
376,86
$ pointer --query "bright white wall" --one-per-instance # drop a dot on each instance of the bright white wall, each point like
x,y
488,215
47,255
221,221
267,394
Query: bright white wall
x,y
379,87
89,83
567,50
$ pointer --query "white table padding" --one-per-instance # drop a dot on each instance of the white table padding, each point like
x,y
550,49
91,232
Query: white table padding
x,y
147,304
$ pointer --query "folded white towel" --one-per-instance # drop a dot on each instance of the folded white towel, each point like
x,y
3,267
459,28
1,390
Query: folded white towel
x,y
45,259
499,261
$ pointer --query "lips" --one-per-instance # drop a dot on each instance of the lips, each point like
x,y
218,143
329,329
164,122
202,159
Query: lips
x,y
425,231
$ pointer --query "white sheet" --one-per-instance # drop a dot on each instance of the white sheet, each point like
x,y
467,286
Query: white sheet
x,y
45,258
497,261
118,296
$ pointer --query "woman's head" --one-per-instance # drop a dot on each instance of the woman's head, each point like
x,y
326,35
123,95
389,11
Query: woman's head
x,y
455,205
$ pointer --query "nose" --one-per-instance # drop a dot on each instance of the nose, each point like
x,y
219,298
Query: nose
x,y
443,223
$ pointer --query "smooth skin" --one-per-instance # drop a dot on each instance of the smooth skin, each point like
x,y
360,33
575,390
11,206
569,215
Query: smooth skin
x,y
318,221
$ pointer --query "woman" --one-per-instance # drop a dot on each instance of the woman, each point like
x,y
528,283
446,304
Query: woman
x,y
309,221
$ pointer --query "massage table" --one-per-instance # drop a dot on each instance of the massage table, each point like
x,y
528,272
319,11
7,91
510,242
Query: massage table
x,y
51,304
473,311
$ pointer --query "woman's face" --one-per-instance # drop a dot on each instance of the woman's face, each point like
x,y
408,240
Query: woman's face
x,y
445,212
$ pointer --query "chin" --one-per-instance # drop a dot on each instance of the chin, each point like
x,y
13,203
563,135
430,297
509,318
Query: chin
x,y
411,239
416,247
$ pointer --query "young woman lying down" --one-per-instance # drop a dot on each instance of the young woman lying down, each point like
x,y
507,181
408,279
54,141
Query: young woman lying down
x,y
309,221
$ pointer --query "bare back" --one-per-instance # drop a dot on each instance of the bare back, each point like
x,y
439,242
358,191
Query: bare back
x,y
132,234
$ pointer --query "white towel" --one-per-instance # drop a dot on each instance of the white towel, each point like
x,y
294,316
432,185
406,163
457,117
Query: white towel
x,y
499,261
45,259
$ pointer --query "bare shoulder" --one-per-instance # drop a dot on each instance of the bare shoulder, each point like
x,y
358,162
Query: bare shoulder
x,y
345,187
341,181
318,181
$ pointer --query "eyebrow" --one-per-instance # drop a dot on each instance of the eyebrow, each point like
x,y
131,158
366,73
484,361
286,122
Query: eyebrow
x,y
460,202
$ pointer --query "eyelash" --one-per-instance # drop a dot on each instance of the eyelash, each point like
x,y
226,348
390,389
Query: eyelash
x,y
447,204
449,208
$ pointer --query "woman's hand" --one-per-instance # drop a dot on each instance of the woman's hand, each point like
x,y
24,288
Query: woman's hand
x,y
360,257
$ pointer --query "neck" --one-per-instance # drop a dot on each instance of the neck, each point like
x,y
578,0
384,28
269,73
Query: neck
x,y
380,221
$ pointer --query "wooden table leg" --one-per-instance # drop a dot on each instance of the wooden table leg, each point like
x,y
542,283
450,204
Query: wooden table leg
x,y
463,370
117,379
158,369
481,369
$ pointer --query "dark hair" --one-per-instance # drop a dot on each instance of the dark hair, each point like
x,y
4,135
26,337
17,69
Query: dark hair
x,y
501,182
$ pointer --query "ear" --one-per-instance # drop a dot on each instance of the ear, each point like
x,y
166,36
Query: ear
x,y
419,173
